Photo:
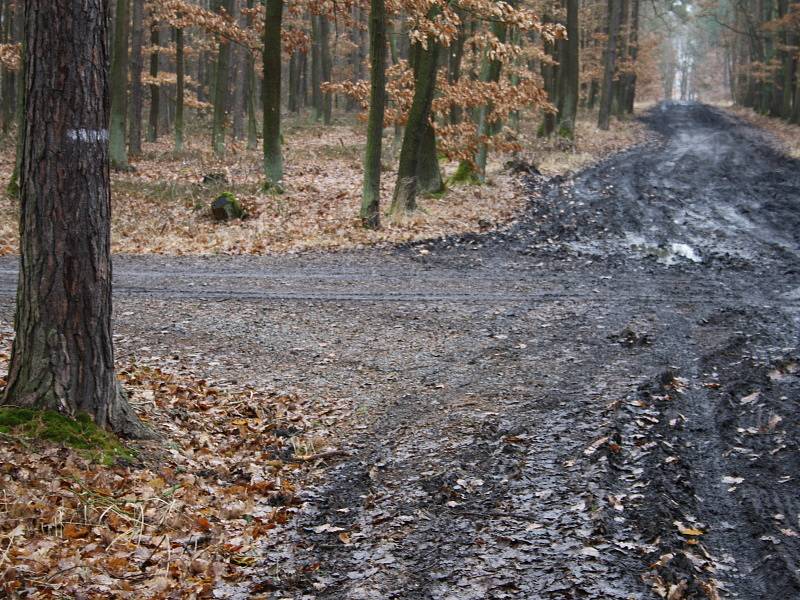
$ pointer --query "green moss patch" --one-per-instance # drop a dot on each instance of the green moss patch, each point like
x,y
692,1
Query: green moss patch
x,y
80,433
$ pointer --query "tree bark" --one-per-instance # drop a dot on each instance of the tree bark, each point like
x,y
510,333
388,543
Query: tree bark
x,y
405,191
221,88
610,63
316,67
62,358
179,88
273,159
327,67
570,73
370,198
137,100
152,130
119,86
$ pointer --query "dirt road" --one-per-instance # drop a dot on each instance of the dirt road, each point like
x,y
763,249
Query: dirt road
x,y
599,400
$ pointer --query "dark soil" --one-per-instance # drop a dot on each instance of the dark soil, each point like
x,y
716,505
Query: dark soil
x,y
599,402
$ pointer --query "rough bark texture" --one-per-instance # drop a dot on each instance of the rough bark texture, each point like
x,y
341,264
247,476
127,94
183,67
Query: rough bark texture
x,y
610,62
370,200
62,358
137,100
273,159
180,68
119,86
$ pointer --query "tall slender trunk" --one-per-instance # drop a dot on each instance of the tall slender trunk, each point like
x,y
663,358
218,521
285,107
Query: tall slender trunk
x,y
137,99
610,63
405,191
19,27
293,100
370,197
326,67
630,87
119,86
63,357
619,94
179,88
316,67
455,56
570,73
273,159
221,88
152,129
490,74
250,91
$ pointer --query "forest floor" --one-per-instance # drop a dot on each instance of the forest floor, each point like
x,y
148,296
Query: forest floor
x,y
599,401
163,206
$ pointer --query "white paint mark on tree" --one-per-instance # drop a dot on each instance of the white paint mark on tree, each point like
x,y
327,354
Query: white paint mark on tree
x,y
88,135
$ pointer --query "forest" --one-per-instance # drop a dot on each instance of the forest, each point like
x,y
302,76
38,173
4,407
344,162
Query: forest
x,y
463,299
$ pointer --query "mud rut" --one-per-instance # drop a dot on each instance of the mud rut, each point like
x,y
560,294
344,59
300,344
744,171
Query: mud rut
x,y
528,413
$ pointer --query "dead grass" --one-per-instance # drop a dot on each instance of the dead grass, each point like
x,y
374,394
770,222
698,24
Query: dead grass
x,y
163,207
786,135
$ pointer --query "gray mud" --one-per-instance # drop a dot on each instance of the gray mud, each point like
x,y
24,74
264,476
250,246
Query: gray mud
x,y
528,413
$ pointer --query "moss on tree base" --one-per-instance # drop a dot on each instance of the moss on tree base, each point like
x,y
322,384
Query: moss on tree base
x,y
80,433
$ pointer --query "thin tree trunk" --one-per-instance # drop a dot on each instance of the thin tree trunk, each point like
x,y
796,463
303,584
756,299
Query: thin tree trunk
x,y
634,54
179,88
119,86
370,199
63,358
327,67
19,27
610,62
273,160
221,89
137,99
250,92
316,66
490,74
152,130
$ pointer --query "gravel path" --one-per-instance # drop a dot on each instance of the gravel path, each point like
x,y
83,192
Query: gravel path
x,y
528,414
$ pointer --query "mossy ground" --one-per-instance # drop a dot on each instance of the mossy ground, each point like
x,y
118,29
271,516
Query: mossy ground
x,y
80,433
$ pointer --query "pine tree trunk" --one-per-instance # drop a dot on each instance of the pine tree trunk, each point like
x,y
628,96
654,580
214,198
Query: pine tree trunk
x,y
152,130
137,99
221,89
119,86
325,64
405,191
273,160
610,63
370,199
63,358
180,67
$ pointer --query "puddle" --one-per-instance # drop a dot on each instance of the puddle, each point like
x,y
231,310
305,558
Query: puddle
x,y
666,254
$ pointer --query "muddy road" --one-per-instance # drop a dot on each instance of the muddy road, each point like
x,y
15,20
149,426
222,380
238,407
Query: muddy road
x,y
599,402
